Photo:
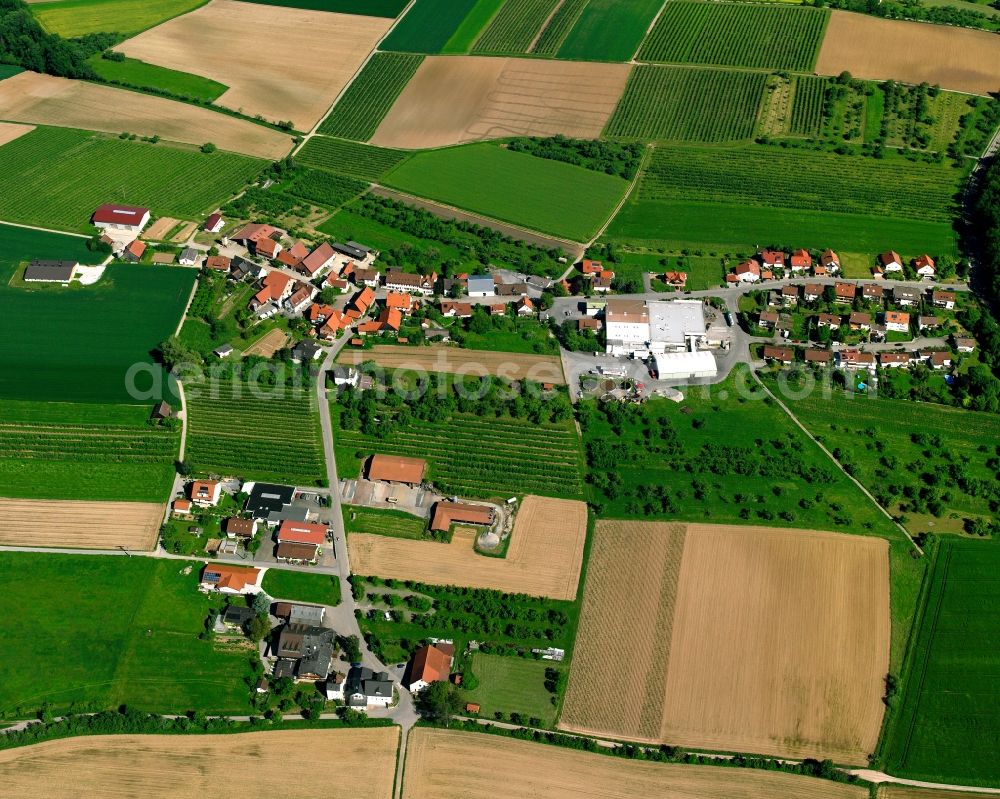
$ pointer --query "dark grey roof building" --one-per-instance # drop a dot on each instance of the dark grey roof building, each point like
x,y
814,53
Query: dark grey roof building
x,y
50,271
267,498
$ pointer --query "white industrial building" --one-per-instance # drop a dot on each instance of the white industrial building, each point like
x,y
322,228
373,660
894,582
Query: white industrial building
x,y
639,329
685,365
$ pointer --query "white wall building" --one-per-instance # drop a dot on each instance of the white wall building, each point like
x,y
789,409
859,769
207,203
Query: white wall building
x,y
638,329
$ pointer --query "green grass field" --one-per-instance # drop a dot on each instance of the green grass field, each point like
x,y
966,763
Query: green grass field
x,y
558,27
727,227
515,27
393,523
513,187
138,73
9,71
736,34
235,430
77,344
511,685
949,718
321,589
428,26
608,30
71,18
477,457
349,158
471,26
679,103
99,632
370,8
56,177
881,440
370,96
61,450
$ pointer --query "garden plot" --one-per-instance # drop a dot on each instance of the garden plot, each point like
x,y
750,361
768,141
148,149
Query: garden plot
x,y
461,99
544,557
44,100
286,64
769,641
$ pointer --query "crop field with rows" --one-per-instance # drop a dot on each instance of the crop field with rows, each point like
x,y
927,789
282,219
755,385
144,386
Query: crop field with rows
x,y
97,452
56,177
237,431
370,96
807,105
383,522
348,158
609,30
325,188
515,27
736,34
679,103
479,457
427,26
558,27
821,181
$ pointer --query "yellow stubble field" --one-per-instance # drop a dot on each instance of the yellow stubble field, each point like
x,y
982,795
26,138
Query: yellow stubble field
x,y
79,524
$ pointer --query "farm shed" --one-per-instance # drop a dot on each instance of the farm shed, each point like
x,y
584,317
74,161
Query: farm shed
x,y
675,365
395,469
50,271
447,513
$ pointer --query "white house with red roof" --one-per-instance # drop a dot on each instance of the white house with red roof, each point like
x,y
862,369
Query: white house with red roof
x,y
114,218
214,223
206,493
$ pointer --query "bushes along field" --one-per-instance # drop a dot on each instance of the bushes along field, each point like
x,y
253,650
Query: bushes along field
x,y
132,72
513,187
736,34
612,158
348,158
370,96
609,30
684,104
427,26
515,27
56,177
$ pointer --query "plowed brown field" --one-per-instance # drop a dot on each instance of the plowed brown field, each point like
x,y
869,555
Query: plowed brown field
x,y
282,63
11,130
268,344
912,52
344,764
544,557
452,360
85,525
160,228
446,764
455,99
778,639
45,100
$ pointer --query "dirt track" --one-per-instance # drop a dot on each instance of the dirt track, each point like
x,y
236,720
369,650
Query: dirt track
x,y
912,52
447,764
45,100
544,558
89,525
778,639
11,130
455,99
453,360
334,764
282,63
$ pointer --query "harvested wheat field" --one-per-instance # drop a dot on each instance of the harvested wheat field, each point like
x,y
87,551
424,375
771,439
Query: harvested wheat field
x,y
456,99
185,233
346,764
268,344
45,100
778,639
11,130
451,360
283,63
544,557
447,764
86,525
912,52
160,228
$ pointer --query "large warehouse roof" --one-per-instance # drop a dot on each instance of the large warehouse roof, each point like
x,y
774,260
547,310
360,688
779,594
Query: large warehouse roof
x,y
674,365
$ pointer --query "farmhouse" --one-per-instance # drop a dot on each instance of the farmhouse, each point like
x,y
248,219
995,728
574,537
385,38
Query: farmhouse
x,y
300,297
396,469
275,288
366,688
302,533
206,493
431,663
896,321
397,280
214,224
50,272
943,299
267,248
224,579
250,235
129,219
890,261
448,513
134,251
366,277
399,301
320,258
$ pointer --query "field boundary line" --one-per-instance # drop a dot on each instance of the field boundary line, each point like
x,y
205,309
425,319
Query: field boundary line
x,y
829,454
649,30
541,30
44,229
646,155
